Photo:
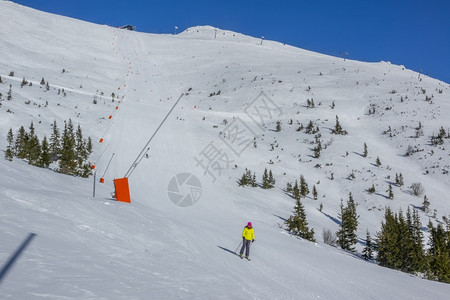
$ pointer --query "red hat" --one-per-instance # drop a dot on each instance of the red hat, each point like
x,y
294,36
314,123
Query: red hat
x,y
249,224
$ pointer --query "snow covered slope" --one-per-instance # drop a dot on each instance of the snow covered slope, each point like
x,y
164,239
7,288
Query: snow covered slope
x,y
96,248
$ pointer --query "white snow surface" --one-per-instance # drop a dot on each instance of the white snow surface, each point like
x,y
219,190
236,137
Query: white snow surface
x,y
97,248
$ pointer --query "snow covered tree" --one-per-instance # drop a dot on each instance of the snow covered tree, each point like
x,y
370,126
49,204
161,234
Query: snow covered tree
x,y
297,224
367,253
42,81
365,150
371,190
346,235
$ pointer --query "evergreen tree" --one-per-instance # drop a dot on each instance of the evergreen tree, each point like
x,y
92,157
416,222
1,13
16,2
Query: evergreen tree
x,y
439,253
419,263
338,128
304,190
271,180
42,81
9,153
80,147
367,253
55,143
371,190
244,181
253,182
378,162
278,128
346,235
425,204
44,161
68,162
297,224
365,150
289,188
296,191
317,149
400,180
21,143
9,94
32,148
390,192
89,147
265,179
314,192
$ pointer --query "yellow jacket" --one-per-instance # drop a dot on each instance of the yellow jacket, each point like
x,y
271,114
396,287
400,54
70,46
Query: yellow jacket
x,y
248,233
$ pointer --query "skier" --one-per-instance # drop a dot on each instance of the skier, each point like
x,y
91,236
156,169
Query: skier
x,y
248,235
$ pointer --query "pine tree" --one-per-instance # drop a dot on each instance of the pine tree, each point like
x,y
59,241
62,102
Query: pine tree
x,y
244,179
289,188
346,235
33,149
271,180
390,192
378,162
42,81
297,224
253,182
9,153
68,162
21,142
314,192
371,190
365,150
425,204
338,128
317,149
419,263
367,253
304,190
44,161
9,95
278,128
265,180
55,143
89,146
400,179
80,148
296,191
439,253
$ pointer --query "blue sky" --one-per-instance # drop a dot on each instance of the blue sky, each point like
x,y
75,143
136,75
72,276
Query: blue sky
x,y
405,32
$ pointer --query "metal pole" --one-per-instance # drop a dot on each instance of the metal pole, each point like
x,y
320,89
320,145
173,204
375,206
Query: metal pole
x,y
145,149
93,191
238,247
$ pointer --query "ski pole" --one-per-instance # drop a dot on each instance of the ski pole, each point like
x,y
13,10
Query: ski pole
x,y
238,247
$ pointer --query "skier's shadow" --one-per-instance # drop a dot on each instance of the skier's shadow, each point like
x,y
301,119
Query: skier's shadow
x,y
227,250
